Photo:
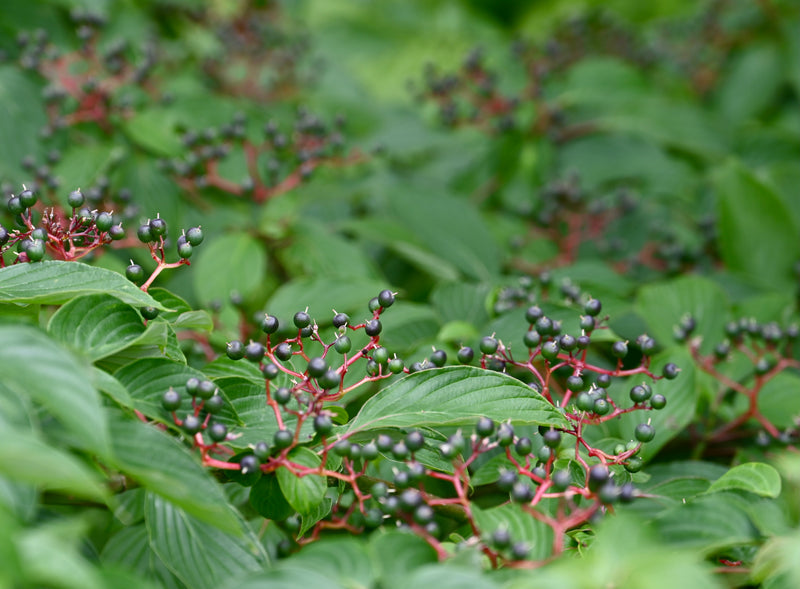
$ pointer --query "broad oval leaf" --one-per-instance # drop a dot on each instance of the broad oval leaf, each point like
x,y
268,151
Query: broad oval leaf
x,y
455,395
162,465
36,367
96,325
199,554
235,262
521,526
304,493
55,282
755,477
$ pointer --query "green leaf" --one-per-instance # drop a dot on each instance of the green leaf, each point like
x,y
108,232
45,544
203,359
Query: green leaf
x,y
232,262
194,320
55,282
36,367
266,497
26,458
395,554
130,548
778,400
154,130
707,523
468,245
756,235
199,554
342,559
522,527
751,82
164,466
321,295
22,116
456,395
662,305
755,477
304,493
96,325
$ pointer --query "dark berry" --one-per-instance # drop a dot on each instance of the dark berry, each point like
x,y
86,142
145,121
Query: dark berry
x,y
75,199
575,383
116,232
438,358
283,351
386,298
205,389
270,371
149,312
415,440
521,492
598,476
15,206
531,339
544,325
301,319
104,221
644,432
195,236
340,320
217,431
588,323
523,447
254,351
608,493
4,235
329,380
369,451
533,314
235,350
144,233
603,381
507,480
373,327
192,384
670,371
214,404
384,443
465,355
560,480
410,499
501,538
488,345
592,307
550,350
158,227
283,438
583,341
317,367
640,394
423,514
505,435
400,451
485,427
567,342
27,198
171,400
619,349
323,424
192,424
249,463
282,395
627,493
269,324
552,438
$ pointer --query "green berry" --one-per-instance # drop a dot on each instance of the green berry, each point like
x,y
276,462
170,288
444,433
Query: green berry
x,y
214,404
644,432
505,435
640,394
619,349
205,389
27,198
116,232
488,345
550,350
283,438
374,304
634,464
317,367
575,383
323,424
75,199
35,251
584,402
195,236
531,339
149,312
144,233
270,370
380,355
552,438
15,206
104,221
342,344
185,250
158,227
192,384
329,380
601,406
485,427
282,395
192,424
523,447
560,480
658,401
592,307
396,366
171,400
134,273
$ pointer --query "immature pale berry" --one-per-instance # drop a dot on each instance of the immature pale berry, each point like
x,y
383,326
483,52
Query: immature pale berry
x,y
386,298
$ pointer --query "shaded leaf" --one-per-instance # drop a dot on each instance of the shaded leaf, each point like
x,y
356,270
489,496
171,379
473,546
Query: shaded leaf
x,y
754,477
304,493
232,262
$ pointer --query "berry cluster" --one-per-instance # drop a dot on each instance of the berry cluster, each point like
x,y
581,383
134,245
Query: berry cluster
x,y
154,235
85,85
767,350
66,237
389,477
276,162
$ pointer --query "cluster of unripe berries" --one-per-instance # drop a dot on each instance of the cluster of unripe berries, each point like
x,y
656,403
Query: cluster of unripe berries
x,y
83,230
205,398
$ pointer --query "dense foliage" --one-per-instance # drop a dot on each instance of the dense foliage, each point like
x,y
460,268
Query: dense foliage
x,y
395,294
